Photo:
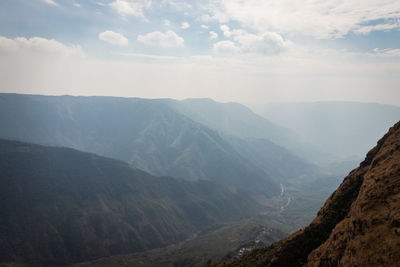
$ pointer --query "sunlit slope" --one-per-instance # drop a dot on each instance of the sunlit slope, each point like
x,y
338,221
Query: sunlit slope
x,y
148,134
358,224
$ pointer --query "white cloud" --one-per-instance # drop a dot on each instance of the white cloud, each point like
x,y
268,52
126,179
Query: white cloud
x,y
387,52
264,43
225,29
8,45
50,2
213,35
318,18
76,4
113,38
167,39
378,27
130,8
145,56
38,45
204,26
185,25
225,48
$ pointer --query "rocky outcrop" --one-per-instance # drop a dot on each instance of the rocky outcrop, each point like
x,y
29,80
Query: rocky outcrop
x,y
359,225
369,235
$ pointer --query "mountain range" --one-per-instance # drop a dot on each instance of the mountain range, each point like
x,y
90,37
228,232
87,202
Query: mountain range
x,y
152,135
86,207
84,179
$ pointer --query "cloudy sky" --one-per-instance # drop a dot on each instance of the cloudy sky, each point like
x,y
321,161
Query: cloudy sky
x,y
252,51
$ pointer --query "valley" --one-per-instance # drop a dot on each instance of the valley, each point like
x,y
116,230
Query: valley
x,y
128,181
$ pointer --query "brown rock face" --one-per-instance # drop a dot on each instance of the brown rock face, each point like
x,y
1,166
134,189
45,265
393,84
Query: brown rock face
x,y
359,225
370,233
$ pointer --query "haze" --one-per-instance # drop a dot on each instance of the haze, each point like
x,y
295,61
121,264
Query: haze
x,y
251,52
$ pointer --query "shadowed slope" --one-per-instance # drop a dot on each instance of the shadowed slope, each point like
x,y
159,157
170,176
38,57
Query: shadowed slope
x,y
59,206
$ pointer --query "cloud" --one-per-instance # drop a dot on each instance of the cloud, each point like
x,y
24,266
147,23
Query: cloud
x,y
76,4
9,45
204,26
225,29
167,39
50,2
267,43
317,18
113,38
145,56
185,25
264,43
387,52
213,35
130,8
225,48
378,27
38,45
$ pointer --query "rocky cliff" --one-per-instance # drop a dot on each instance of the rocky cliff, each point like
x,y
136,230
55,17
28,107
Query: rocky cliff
x,y
359,225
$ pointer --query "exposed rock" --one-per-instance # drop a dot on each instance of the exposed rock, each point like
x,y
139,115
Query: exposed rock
x,y
359,225
369,235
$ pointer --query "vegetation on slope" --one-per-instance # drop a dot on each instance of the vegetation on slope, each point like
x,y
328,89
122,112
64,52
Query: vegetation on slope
x,y
221,241
61,206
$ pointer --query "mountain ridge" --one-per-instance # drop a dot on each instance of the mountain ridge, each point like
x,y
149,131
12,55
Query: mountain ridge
x,y
145,133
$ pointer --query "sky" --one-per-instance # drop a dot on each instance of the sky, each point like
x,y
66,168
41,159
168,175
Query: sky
x,y
252,52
